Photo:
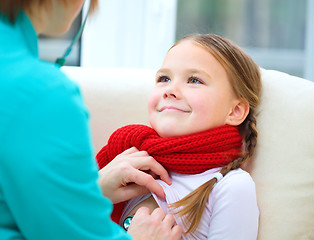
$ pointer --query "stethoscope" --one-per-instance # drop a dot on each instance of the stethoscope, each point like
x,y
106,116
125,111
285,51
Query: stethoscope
x,y
61,60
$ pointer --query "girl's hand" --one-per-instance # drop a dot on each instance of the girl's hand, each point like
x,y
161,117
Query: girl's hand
x,y
157,226
131,174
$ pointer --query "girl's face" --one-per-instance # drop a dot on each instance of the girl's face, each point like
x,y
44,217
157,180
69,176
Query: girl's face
x,y
192,93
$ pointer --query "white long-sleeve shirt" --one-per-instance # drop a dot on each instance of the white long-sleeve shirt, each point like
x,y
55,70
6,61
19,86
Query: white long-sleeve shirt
x,y
231,211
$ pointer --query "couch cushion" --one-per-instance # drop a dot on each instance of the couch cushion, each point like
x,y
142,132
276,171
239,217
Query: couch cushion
x,y
283,168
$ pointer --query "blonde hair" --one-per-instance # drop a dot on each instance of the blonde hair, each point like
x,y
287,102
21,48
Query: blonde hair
x,y
244,76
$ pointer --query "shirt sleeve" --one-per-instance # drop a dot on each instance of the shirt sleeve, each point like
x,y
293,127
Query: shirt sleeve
x,y
50,183
235,213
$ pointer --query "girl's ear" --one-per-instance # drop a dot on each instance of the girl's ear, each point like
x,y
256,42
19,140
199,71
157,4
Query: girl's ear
x,y
238,113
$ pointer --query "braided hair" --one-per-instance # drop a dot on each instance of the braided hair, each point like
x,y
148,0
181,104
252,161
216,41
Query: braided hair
x,y
245,79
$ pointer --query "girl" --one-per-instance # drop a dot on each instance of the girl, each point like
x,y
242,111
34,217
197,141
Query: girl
x,y
206,94
44,132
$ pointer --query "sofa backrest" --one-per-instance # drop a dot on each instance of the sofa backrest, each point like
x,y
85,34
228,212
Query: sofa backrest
x,y
114,97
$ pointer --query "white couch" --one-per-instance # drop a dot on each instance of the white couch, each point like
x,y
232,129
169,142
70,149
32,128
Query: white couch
x,y
283,166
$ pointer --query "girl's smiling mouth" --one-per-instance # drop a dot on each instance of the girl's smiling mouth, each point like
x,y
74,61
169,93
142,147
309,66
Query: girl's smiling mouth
x,y
173,109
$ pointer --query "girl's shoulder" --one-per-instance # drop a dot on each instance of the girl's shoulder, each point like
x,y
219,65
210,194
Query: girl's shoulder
x,y
237,184
237,176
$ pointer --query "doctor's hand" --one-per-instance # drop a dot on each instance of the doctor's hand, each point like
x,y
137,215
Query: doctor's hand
x,y
131,174
158,225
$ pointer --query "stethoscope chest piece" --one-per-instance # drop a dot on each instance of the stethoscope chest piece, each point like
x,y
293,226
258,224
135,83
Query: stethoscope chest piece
x,y
127,222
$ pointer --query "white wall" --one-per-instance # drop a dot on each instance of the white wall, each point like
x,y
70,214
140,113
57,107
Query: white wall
x,y
126,33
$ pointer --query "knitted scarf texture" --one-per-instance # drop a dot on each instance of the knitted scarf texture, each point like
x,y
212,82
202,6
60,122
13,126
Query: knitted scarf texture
x,y
189,154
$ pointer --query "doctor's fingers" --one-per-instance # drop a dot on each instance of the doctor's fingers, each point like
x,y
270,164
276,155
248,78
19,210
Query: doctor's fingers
x,y
169,227
130,151
162,224
143,179
160,215
130,191
148,163
133,151
143,161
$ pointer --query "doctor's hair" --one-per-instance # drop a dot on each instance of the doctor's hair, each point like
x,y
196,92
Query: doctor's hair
x,y
245,78
11,8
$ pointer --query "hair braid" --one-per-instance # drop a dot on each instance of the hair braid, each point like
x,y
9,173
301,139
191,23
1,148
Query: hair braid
x,y
251,133
250,143
193,205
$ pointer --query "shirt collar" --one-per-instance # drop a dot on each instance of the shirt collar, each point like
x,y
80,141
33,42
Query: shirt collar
x,y
28,32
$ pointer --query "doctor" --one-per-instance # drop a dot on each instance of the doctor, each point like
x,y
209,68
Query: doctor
x,y
48,177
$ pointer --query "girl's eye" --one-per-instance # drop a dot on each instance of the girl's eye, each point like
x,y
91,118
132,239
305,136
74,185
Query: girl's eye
x,y
163,79
195,80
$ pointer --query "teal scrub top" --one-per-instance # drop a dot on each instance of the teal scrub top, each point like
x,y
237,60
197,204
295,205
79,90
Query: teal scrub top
x,y
48,175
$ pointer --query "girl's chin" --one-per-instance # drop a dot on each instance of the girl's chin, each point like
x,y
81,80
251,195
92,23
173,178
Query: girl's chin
x,y
172,127
167,131
170,132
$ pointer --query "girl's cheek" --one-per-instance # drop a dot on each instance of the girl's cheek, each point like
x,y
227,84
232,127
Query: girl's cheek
x,y
154,96
153,100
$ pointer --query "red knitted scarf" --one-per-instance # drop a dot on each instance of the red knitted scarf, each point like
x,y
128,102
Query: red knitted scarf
x,y
188,154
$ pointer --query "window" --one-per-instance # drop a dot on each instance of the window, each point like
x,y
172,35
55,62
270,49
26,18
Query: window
x,y
271,31
277,34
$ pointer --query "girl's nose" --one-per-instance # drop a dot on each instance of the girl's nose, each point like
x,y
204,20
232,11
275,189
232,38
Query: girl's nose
x,y
172,91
